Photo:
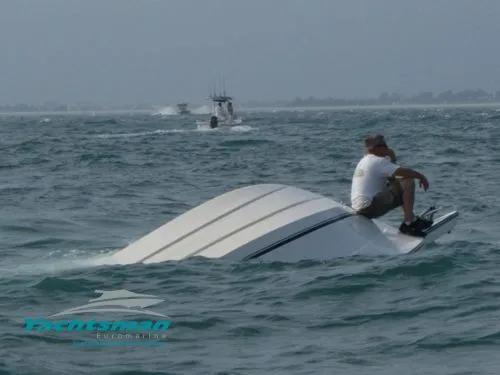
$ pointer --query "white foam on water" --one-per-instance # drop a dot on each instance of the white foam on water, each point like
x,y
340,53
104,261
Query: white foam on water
x,y
200,128
242,128
143,134
206,128
166,111
58,261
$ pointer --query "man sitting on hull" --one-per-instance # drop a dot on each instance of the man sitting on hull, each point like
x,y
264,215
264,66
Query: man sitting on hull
x,y
379,185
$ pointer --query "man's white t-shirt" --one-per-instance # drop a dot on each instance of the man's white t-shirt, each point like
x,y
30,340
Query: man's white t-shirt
x,y
370,177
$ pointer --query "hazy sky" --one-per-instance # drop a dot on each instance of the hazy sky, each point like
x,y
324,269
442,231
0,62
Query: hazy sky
x,y
124,51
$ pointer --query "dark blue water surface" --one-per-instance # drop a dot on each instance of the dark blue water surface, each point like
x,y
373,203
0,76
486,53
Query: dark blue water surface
x,y
75,188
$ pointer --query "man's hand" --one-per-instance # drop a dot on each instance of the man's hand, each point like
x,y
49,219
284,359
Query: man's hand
x,y
423,183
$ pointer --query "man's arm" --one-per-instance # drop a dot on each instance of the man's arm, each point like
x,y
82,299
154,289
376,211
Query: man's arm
x,y
410,173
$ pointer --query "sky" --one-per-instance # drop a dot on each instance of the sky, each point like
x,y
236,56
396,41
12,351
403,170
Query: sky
x,y
165,51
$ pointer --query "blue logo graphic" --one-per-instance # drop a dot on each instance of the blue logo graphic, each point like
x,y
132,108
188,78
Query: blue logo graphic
x,y
145,332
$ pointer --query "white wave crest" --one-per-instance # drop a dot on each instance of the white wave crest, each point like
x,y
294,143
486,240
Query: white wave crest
x,y
143,134
242,128
166,111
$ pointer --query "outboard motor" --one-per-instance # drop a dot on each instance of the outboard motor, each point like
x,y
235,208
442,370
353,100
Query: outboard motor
x,y
213,122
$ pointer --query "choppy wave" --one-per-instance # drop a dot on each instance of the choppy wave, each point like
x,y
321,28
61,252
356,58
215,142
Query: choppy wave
x,y
143,134
100,121
241,128
246,142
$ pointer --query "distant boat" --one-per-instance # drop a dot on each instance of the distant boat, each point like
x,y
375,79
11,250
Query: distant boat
x,y
178,109
182,109
222,113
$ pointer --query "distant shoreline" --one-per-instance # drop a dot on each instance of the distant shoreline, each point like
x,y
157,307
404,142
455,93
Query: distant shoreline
x,y
369,106
263,109
79,113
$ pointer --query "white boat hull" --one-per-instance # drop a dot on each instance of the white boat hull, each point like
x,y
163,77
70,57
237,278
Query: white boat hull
x,y
273,223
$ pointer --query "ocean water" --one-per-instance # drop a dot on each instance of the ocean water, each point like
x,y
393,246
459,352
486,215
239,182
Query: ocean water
x,y
75,188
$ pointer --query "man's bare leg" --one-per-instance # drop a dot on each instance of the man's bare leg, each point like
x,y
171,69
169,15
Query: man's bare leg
x,y
408,185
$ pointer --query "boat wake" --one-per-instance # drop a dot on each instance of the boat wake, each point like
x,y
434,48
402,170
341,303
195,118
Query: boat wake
x,y
143,134
237,128
166,111
173,111
242,128
57,262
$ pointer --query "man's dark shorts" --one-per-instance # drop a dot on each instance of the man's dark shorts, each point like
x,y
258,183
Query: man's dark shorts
x,y
384,201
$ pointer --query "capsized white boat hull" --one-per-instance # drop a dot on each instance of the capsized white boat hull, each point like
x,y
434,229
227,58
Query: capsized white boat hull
x,y
274,223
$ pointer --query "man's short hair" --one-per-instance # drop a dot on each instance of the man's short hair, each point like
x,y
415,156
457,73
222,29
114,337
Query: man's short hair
x,y
374,140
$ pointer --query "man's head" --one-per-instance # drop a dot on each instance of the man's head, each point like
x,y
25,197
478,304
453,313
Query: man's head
x,y
375,144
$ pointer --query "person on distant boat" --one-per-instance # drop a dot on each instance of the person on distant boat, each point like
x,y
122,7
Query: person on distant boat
x,y
379,185
213,122
219,112
230,110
